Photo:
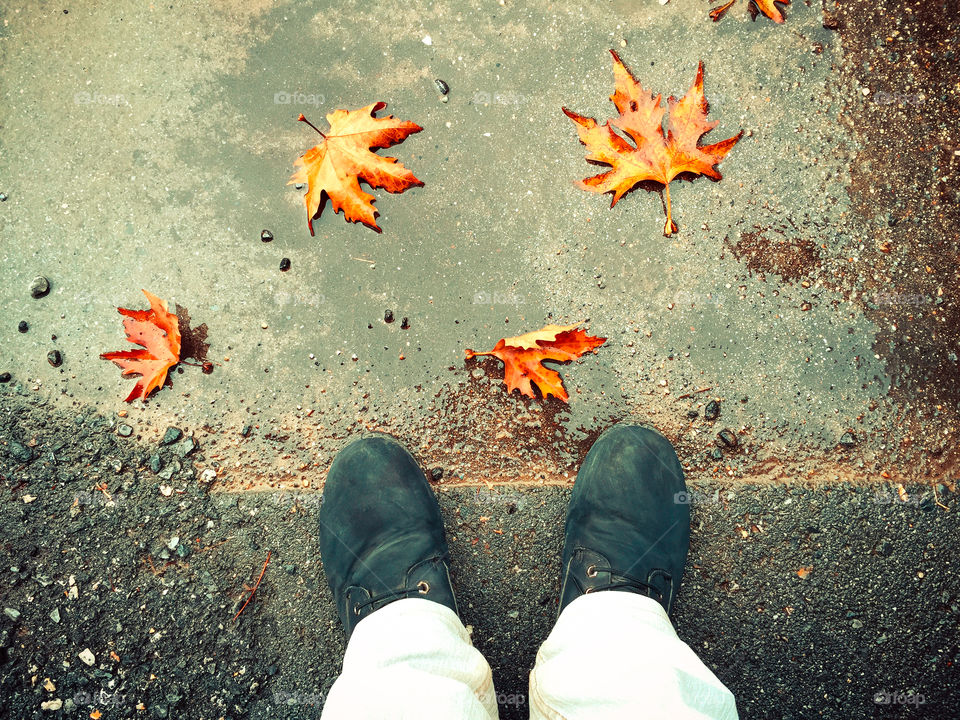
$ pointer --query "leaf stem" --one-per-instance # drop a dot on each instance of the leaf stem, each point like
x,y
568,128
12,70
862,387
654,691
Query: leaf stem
x,y
303,119
668,225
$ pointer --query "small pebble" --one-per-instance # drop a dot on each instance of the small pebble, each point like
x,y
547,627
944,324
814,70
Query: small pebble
x,y
3,197
186,447
55,358
712,410
848,439
405,324
88,657
388,316
284,264
298,186
12,613
266,235
246,430
39,287
436,474
5,377
124,430
171,435
442,87
19,452
727,438
22,326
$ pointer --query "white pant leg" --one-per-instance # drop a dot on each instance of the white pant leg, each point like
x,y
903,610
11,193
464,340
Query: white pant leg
x,y
412,659
615,655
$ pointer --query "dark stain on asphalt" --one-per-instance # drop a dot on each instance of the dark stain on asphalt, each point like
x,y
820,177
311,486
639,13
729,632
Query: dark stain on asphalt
x,y
788,258
193,340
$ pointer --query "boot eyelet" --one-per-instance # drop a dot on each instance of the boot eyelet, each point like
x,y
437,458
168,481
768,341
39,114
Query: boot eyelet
x,y
356,610
423,587
592,571
588,591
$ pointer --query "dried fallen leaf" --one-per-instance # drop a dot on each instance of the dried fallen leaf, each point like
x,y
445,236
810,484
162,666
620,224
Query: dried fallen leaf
x,y
157,331
767,7
804,572
522,357
650,156
720,11
334,167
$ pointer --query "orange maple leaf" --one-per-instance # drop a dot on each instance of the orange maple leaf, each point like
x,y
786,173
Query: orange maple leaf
x,y
156,330
522,357
650,156
334,167
767,7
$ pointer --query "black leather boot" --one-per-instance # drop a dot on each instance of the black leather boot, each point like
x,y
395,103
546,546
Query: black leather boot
x,y
628,524
381,535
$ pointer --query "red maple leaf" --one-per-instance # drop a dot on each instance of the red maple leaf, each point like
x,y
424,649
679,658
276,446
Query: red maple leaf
x,y
156,330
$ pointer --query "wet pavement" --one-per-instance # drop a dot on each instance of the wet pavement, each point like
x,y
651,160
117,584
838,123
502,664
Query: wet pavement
x,y
810,295
152,150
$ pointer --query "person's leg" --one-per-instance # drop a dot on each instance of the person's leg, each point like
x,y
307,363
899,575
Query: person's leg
x,y
385,556
613,652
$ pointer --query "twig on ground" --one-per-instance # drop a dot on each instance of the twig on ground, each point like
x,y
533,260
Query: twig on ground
x,y
256,585
695,392
936,497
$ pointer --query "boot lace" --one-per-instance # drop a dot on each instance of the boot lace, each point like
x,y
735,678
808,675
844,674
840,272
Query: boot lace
x,y
421,588
623,580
